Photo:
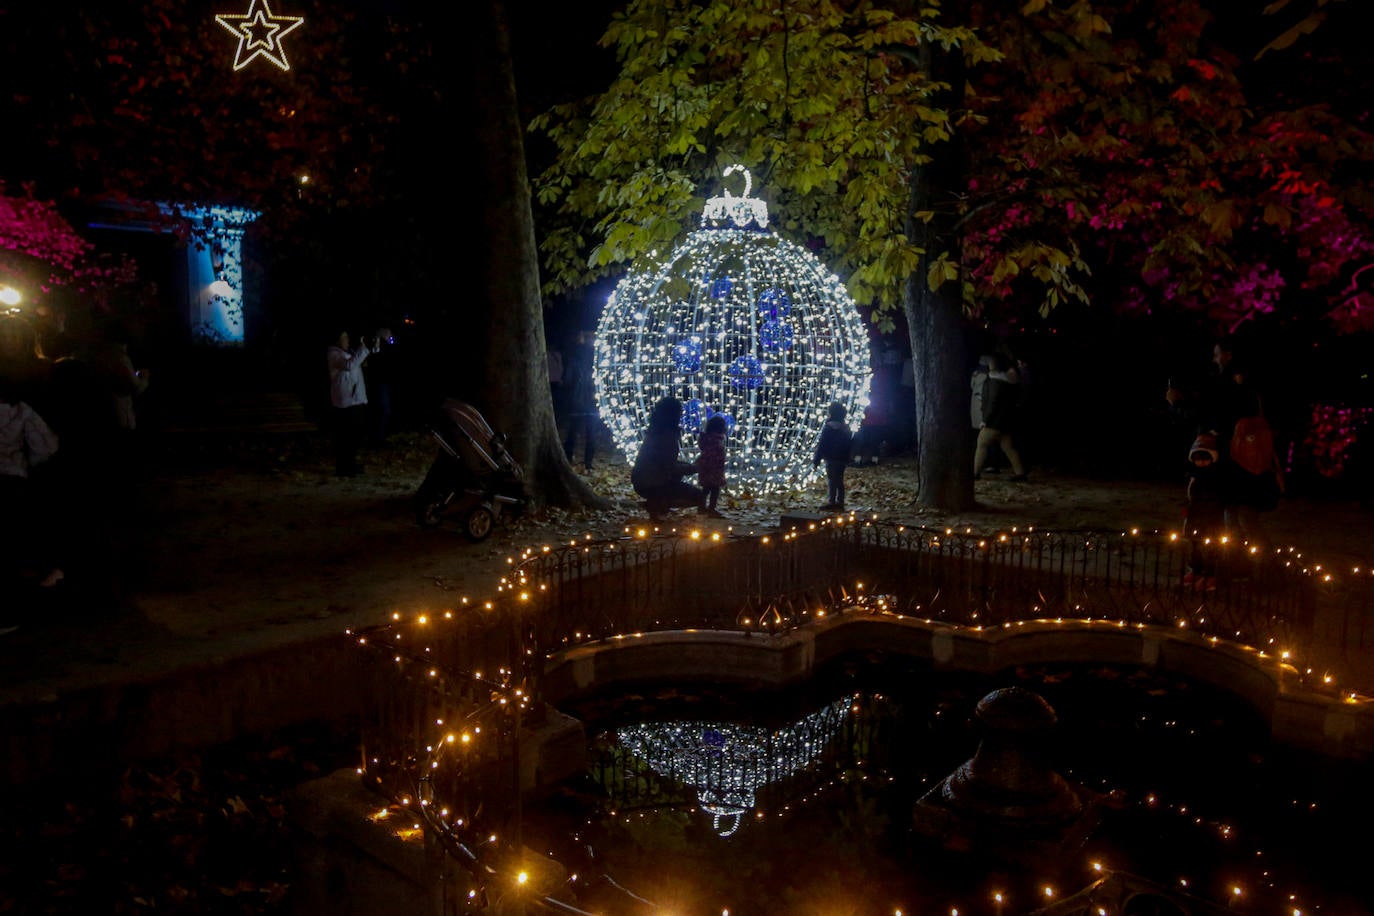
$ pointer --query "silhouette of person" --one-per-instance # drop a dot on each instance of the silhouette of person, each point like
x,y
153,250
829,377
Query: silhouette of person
x,y
658,468
79,482
1001,400
833,447
380,372
579,400
26,549
711,461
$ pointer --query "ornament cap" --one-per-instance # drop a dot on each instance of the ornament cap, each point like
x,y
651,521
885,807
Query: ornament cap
x,y
731,212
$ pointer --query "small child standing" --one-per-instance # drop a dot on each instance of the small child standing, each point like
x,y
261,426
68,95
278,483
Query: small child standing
x,y
711,462
1204,514
833,448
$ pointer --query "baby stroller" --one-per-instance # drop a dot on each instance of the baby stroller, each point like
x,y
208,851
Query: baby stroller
x,y
473,474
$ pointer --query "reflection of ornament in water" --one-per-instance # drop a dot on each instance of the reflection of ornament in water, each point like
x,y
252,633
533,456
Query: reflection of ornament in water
x,y
726,763
745,321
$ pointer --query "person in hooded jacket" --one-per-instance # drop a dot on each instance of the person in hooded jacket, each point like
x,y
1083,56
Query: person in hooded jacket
x,y
1204,519
833,447
711,461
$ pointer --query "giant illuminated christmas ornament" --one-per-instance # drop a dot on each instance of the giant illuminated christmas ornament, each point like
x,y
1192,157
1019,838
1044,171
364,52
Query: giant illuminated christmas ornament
x,y
741,322
259,34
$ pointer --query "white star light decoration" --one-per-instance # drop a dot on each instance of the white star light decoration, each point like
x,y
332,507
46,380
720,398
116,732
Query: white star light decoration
x,y
259,34
741,322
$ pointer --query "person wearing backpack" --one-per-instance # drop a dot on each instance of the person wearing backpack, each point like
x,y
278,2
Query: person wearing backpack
x,y
1257,472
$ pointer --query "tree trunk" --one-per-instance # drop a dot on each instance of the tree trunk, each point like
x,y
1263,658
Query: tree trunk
x,y
512,380
940,357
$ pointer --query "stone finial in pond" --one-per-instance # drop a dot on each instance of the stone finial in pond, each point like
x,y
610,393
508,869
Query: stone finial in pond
x,y
1006,800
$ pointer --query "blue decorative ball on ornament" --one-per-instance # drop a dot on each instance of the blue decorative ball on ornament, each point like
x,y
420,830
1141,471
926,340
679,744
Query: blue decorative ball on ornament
x,y
687,356
747,372
774,303
691,414
721,288
775,335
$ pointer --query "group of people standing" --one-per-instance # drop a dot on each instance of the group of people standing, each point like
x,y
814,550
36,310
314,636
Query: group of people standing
x,y
68,415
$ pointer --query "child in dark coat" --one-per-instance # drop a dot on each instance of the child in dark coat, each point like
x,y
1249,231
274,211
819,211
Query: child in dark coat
x,y
711,461
1205,513
833,448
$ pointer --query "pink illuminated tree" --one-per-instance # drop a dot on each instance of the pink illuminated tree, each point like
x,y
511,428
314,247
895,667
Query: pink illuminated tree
x,y
46,259
1141,153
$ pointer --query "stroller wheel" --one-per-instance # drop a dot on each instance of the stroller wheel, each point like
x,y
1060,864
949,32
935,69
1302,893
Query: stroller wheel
x,y
477,524
429,510
429,515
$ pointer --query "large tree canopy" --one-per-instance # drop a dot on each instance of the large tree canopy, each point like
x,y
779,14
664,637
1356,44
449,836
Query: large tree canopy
x,y
138,103
139,100
963,160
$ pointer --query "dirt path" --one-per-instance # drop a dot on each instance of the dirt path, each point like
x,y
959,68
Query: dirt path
x,y
260,545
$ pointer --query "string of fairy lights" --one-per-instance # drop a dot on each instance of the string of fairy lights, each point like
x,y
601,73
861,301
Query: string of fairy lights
x,y
408,641
741,322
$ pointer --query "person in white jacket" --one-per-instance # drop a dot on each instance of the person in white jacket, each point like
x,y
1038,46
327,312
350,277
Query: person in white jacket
x,y
348,403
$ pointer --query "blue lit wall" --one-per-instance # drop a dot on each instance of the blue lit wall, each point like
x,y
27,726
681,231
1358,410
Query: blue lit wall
x,y
214,273
212,299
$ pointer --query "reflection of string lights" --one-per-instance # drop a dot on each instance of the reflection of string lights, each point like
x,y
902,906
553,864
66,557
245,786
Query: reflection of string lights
x,y
741,322
727,763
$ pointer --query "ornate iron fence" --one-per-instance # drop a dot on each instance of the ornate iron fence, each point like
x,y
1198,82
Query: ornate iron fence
x,y
452,693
